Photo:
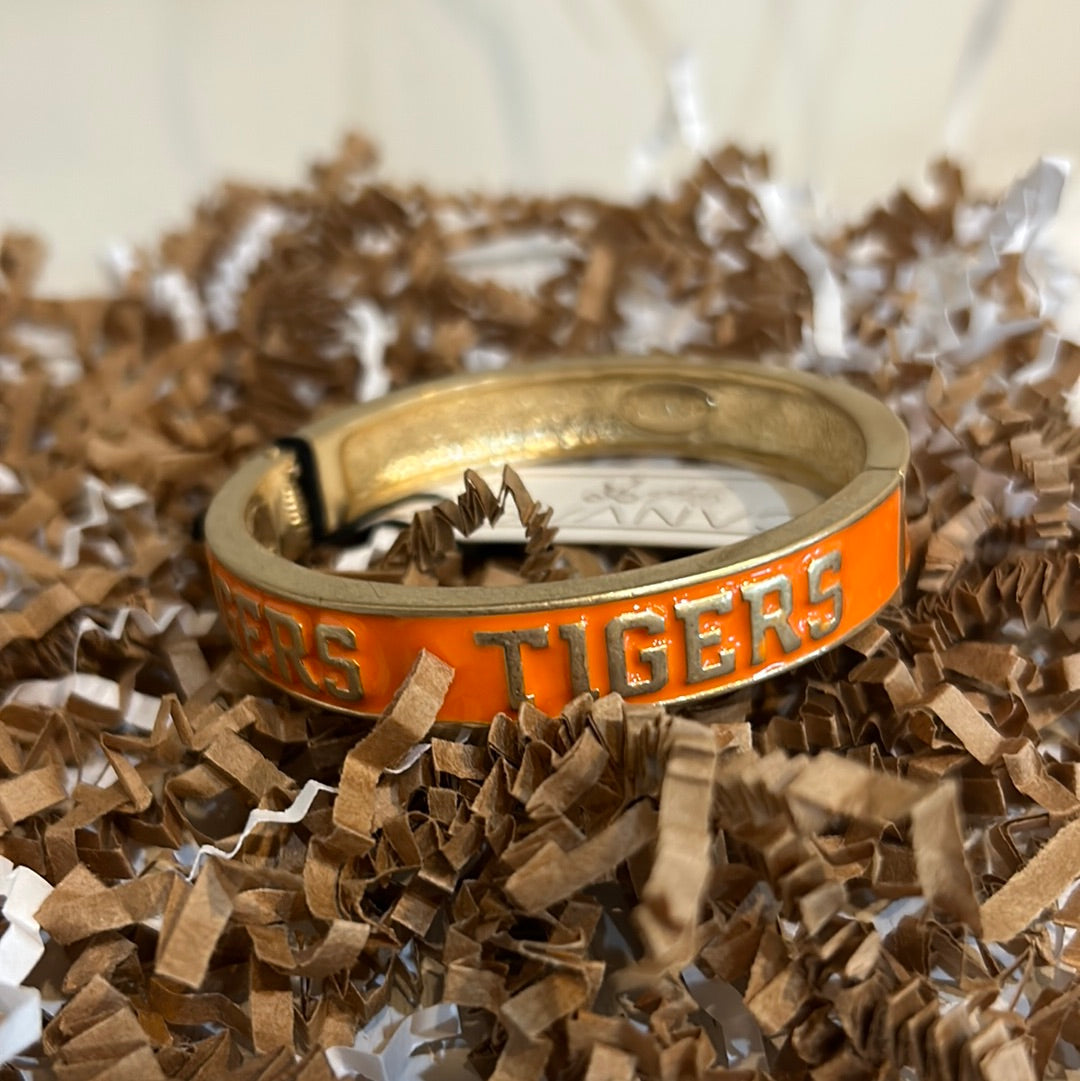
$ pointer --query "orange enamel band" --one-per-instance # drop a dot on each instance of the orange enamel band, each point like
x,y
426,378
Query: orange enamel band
x,y
672,632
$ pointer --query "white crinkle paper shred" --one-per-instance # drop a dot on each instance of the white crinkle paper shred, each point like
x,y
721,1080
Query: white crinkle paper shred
x,y
21,947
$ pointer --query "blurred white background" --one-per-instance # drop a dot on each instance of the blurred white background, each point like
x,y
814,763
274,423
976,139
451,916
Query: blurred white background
x,y
116,116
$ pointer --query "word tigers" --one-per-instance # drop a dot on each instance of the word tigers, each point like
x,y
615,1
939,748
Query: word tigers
x,y
731,630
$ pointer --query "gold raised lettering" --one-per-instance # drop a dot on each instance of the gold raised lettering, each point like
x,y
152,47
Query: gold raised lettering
x,y
690,612
350,688
653,657
251,624
573,634
287,638
229,611
776,620
819,627
510,642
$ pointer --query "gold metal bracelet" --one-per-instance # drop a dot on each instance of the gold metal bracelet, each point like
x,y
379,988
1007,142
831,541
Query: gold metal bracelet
x,y
673,632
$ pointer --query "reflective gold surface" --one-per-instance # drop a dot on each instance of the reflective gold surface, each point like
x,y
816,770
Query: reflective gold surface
x,y
668,632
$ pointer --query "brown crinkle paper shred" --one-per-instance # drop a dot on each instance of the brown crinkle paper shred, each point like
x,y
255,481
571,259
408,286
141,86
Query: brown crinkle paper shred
x,y
864,869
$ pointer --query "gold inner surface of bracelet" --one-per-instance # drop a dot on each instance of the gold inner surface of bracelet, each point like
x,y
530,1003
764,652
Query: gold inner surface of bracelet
x,y
822,433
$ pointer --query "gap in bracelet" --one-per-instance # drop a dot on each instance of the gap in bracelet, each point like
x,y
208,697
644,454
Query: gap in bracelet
x,y
610,514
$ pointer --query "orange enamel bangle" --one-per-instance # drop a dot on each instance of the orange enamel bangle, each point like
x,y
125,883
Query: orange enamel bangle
x,y
673,632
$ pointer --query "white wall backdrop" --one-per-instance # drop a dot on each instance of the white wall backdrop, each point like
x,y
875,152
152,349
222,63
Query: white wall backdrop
x,y
115,115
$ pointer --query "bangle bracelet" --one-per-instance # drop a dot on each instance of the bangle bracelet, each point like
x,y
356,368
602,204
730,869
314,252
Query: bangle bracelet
x,y
671,632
